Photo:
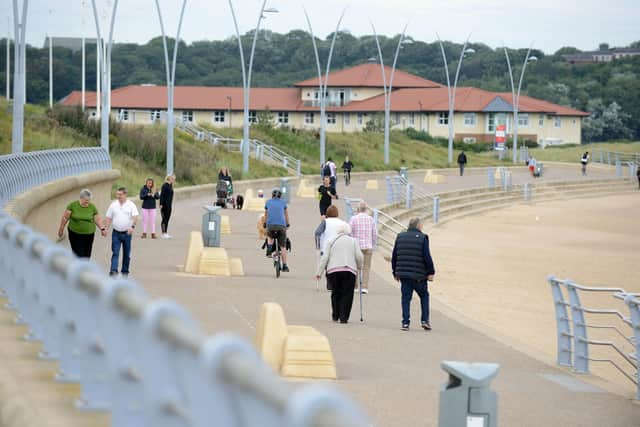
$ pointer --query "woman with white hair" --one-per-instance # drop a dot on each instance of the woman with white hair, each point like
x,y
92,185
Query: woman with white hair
x,y
341,261
82,217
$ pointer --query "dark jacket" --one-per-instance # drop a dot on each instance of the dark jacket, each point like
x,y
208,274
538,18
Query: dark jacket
x,y
148,198
462,159
411,258
166,195
325,198
347,165
223,177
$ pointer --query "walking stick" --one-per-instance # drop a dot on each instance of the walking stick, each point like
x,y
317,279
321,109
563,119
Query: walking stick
x,y
317,285
361,301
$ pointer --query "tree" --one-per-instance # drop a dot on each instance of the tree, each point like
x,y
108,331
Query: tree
x,y
605,122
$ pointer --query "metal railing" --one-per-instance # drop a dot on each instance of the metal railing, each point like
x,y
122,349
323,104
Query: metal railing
x,y
146,361
573,342
257,149
20,172
385,223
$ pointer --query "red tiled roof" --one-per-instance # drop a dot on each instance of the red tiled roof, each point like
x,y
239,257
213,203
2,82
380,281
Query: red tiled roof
x,y
533,105
370,75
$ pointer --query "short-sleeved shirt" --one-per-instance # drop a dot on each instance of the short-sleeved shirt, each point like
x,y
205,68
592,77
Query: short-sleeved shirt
x,y
81,220
325,197
275,212
121,215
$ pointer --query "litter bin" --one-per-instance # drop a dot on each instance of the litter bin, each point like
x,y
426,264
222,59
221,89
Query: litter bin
x,y
404,173
285,188
466,399
211,226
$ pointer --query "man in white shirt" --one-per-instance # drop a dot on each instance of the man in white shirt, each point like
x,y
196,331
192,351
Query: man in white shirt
x,y
123,214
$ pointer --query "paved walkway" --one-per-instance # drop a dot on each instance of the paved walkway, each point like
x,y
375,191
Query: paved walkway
x,y
394,375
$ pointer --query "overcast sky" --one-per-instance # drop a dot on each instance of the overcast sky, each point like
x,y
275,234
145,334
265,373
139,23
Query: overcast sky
x,y
550,24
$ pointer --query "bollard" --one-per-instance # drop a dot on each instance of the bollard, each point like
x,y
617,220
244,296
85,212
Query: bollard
x,y
466,399
601,157
436,209
404,174
298,173
408,196
348,208
491,179
609,158
618,167
211,226
527,192
506,181
285,188
390,198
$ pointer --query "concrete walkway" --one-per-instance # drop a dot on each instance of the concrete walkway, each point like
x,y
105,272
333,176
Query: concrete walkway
x,y
394,375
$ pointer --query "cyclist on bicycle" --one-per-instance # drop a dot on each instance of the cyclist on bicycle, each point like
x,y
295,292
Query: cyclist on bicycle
x,y
277,222
347,165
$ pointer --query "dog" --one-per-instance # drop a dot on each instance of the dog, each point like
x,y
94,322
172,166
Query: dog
x,y
239,201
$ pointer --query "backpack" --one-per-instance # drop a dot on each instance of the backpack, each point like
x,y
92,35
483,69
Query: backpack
x,y
326,171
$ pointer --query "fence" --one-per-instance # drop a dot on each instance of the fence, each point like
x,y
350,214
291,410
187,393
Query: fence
x,y
400,190
146,361
573,342
619,160
21,172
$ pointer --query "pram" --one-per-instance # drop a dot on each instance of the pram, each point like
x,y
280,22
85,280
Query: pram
x,y
224,194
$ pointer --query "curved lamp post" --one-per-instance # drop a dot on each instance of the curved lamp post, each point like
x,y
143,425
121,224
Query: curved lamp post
x,y
452,93
105,72
19,77
323,85
388,88
516,96
246,78
171,80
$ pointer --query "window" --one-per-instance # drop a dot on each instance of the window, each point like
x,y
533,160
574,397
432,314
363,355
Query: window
x,y
154,115
218,116
360,118
187,116
283,117
494,119
523,120
308,118
412,119
347,118
443,118
253,117
331,118
469,119
557,122
491,123
124,115
397,119
541,119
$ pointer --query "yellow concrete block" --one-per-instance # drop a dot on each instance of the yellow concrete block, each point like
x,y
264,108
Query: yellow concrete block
x,y
432,178
308,355
254,204
214,262
301,186
235,265
248,194
194,252
372,184
271,332
225,224
306,190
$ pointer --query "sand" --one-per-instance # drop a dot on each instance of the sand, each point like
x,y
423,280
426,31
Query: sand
x,y
493,267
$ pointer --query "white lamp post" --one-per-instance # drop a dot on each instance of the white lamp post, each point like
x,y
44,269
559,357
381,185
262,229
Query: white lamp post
x,y
19,76
246,78
323,85
8,61
516,96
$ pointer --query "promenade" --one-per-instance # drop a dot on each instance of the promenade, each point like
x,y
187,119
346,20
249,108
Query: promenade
x,y
395,376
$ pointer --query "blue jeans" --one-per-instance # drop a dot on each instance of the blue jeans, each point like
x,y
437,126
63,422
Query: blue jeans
x,y
407,286
120,239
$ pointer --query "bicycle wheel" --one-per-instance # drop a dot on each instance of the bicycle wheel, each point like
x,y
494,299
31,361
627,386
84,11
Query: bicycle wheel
x,y
276,259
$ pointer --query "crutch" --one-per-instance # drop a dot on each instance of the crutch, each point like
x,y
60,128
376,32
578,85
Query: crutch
x,y
361,307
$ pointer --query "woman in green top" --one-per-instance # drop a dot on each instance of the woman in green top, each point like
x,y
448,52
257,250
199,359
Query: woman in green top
x,y
83,217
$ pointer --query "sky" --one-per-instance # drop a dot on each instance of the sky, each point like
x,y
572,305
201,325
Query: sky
x,y
548,24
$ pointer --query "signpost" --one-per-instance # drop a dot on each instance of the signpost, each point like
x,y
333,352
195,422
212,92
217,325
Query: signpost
x,y
501,139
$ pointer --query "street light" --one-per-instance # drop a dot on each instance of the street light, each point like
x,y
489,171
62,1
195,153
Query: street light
x,y
246,77
323,85
229,99
452,93
388,88
171,81
19,77
516,97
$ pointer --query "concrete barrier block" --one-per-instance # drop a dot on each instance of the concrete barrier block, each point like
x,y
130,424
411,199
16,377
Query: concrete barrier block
x,y
306,190
271,332
235,265
307,354
255,204
214,262
248,194
372,184
225,224
432,178
194,253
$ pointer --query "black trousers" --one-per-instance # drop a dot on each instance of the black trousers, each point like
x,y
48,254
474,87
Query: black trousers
x,y
342,284
165,212
81,244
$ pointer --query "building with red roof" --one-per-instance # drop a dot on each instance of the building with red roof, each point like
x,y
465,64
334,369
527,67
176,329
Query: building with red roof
x,y
354,96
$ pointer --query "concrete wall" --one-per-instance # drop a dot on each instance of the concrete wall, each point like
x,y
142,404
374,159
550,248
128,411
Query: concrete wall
x,y
42,207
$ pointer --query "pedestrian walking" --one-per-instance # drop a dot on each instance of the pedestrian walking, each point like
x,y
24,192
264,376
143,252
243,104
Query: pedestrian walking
x,y
412,266
328,228
341,263
363,229
532,166
638,174
166,204
329,169
326,193
224,175
462,162
148,198
83,218
123,215
584,160
347,165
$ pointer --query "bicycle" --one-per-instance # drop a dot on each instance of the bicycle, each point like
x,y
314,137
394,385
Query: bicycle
x,y
277,257
347,177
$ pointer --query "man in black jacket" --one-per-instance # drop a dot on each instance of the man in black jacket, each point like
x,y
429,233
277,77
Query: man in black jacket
x,y
412,265
462,162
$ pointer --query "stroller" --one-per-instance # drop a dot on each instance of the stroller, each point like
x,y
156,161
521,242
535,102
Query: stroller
x,y
224,194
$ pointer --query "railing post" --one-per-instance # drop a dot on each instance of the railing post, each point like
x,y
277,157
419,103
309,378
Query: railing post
x,y
491,179
618,167
634,308
284,162
527,191
609,158
580,344
298,173
601,157
408,196
347,207
390,196
436,209
562,322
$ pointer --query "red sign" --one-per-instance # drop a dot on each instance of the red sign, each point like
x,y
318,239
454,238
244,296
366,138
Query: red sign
x,y
501,136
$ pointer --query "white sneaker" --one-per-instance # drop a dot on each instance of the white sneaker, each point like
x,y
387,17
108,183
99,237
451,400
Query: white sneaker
x,y
365,291
166,236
